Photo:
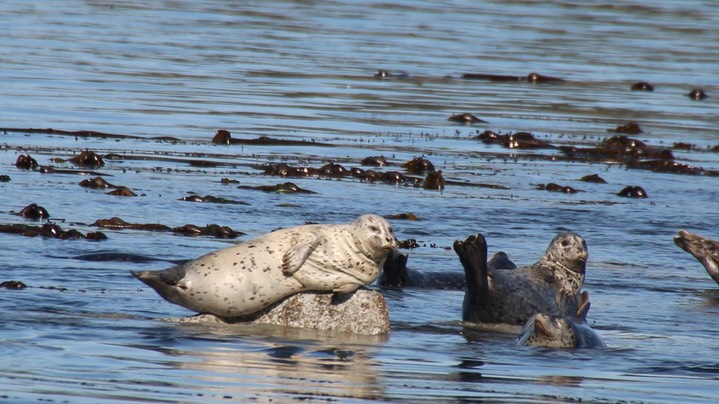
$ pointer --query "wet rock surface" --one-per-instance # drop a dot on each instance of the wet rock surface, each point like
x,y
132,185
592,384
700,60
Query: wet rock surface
x,y
364,312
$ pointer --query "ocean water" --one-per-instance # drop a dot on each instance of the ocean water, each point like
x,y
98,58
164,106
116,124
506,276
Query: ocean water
x,y
86,331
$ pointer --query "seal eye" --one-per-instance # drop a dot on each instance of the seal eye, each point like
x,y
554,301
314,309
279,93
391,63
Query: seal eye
x,y
374,229
565,243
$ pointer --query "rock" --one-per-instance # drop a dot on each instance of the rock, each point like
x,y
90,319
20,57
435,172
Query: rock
x,y
364,312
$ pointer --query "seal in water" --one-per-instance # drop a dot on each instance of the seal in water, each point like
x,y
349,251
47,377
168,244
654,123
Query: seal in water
x,y
568,329
513,296
703,249
395,273
250,276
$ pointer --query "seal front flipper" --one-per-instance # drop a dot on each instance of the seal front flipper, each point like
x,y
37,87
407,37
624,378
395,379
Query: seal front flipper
x,y
298,253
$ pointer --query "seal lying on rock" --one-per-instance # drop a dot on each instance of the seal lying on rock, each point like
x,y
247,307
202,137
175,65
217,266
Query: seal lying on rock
x,y
703,249
395,273
513,296
252,275
567,329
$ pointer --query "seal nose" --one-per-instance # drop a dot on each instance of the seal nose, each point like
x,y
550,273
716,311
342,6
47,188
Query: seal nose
x,y
392,242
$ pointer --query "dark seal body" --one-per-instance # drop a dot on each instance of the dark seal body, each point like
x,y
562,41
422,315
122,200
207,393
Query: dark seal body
x,y
396,274
513,296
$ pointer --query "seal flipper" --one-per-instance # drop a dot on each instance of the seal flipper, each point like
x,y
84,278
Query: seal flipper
x,y
543,324
394,271
584,305
296,255
473,255
164,282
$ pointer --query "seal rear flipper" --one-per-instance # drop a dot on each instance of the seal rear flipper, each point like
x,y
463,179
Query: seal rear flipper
x,y
164,282
472,254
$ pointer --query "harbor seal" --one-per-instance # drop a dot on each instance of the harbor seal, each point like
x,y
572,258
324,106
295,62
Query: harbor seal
x,y
513,296
703,249
247,277
567,329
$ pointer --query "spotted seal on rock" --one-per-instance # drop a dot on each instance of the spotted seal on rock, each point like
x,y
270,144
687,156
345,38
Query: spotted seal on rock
x,y
513,296
250,276
567,329
396,274
703,249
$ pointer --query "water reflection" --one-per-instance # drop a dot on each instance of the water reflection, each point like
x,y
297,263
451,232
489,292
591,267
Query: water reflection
x,y
275,361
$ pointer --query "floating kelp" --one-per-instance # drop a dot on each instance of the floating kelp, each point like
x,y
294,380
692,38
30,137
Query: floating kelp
x,y
642,86
631,128
697,94
553,187
34,211
14,285
668,166
284,188
517,140
534,78
25,162
96,183
223,136
619,148
465,118
211,199
595,178
633,192
418,165
88,158
86,134
49,230
212,230
403,216
118,223
376,161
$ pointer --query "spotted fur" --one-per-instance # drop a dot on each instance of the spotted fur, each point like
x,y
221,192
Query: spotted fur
x,y
566,329
250,276
513,296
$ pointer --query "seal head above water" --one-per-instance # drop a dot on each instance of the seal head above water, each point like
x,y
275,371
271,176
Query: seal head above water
x,y
566,329
513,296
703,249
245,278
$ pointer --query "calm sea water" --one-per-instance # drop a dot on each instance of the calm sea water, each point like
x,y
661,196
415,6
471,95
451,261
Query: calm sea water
x,y
88,332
